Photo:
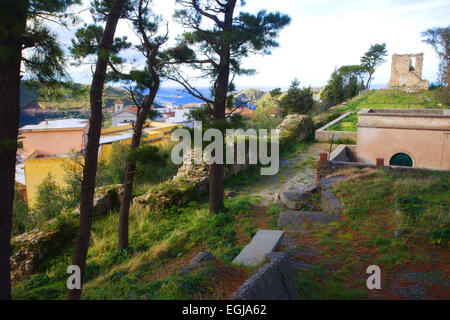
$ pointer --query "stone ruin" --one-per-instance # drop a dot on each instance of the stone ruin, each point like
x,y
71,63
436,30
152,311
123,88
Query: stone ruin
x,y
406,72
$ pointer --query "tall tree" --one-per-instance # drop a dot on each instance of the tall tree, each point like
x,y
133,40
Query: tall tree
x,y
146,27
22,28
439,39
95,123
216,49
297,100
353,76
372,59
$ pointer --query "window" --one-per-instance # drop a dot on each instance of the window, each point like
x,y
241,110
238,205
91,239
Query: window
x,y
401,159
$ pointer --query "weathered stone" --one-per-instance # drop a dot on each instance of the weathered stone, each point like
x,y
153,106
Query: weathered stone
x,y
276,199
263,242
330,203
298,218
105,199
406,71
30,250
274,281
295,127
190,183
293,200
304,188
196,262
229,194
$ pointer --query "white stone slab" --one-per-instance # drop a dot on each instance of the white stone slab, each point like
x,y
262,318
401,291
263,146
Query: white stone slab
x,y
263,242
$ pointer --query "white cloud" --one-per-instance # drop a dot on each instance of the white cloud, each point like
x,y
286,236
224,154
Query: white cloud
x,y
325,34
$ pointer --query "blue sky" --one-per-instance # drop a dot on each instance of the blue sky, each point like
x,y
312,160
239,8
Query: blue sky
x,y
323,34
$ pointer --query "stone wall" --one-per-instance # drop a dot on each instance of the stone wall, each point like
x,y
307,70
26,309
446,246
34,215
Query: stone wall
x,y
30,250
192,180
325,166
274,281
190,183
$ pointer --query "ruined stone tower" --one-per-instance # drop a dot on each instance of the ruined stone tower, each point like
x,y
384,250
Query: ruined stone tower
x,y
406,71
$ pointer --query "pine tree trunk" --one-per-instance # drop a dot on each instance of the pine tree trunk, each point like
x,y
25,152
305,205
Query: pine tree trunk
x,y
90,165
9,124
221,90
131,167
368,81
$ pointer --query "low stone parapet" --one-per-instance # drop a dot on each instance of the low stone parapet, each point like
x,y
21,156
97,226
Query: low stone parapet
x,y
274,281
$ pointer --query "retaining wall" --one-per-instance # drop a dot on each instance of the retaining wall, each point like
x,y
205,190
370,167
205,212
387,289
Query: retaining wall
x,y
322,134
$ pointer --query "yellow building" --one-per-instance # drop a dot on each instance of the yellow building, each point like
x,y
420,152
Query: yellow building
x,y
154,133
38,165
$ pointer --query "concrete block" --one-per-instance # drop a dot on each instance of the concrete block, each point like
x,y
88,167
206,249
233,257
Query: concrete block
x,y
293,200
297,218
330,203
263,242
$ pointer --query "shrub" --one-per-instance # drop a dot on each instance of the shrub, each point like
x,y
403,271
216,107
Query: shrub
x,y
21,216
49,201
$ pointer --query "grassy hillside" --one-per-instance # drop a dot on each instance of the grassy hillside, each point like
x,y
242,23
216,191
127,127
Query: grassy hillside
x,y
398,221
395,98
386,99
161,243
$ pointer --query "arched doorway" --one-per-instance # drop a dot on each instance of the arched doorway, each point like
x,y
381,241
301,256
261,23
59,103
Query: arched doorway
x,y
401,159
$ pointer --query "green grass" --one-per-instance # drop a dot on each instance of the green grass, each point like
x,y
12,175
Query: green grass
x,y
318,283
395,98
391,219
157,240
386,99
346,124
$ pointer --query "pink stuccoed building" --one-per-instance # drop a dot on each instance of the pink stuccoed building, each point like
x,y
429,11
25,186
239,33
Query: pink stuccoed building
x,y
418,138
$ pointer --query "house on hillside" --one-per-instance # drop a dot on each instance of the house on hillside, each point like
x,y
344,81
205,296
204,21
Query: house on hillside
x,y
49,146
245,112
121,115
46,147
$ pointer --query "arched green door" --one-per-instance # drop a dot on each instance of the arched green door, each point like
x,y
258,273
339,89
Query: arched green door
x,y
401,159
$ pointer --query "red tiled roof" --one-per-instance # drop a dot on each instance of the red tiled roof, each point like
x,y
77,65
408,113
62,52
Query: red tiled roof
x,y
132,109
118,101
246,112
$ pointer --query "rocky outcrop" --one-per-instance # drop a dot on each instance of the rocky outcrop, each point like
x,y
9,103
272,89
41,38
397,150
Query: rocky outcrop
x,y
30,250
190,183
295,128
294,200
274,281
105,199
195,263
171,193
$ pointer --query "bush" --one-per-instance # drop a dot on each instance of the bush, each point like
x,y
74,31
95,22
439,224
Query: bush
x,y
50,201
263,120
21,216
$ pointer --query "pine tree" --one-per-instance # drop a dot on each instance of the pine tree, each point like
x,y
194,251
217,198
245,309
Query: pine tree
x,y
372,59
217,52
22,25
112,12
146,26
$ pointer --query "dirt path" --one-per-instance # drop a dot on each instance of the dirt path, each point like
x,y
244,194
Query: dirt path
x,y
295,172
